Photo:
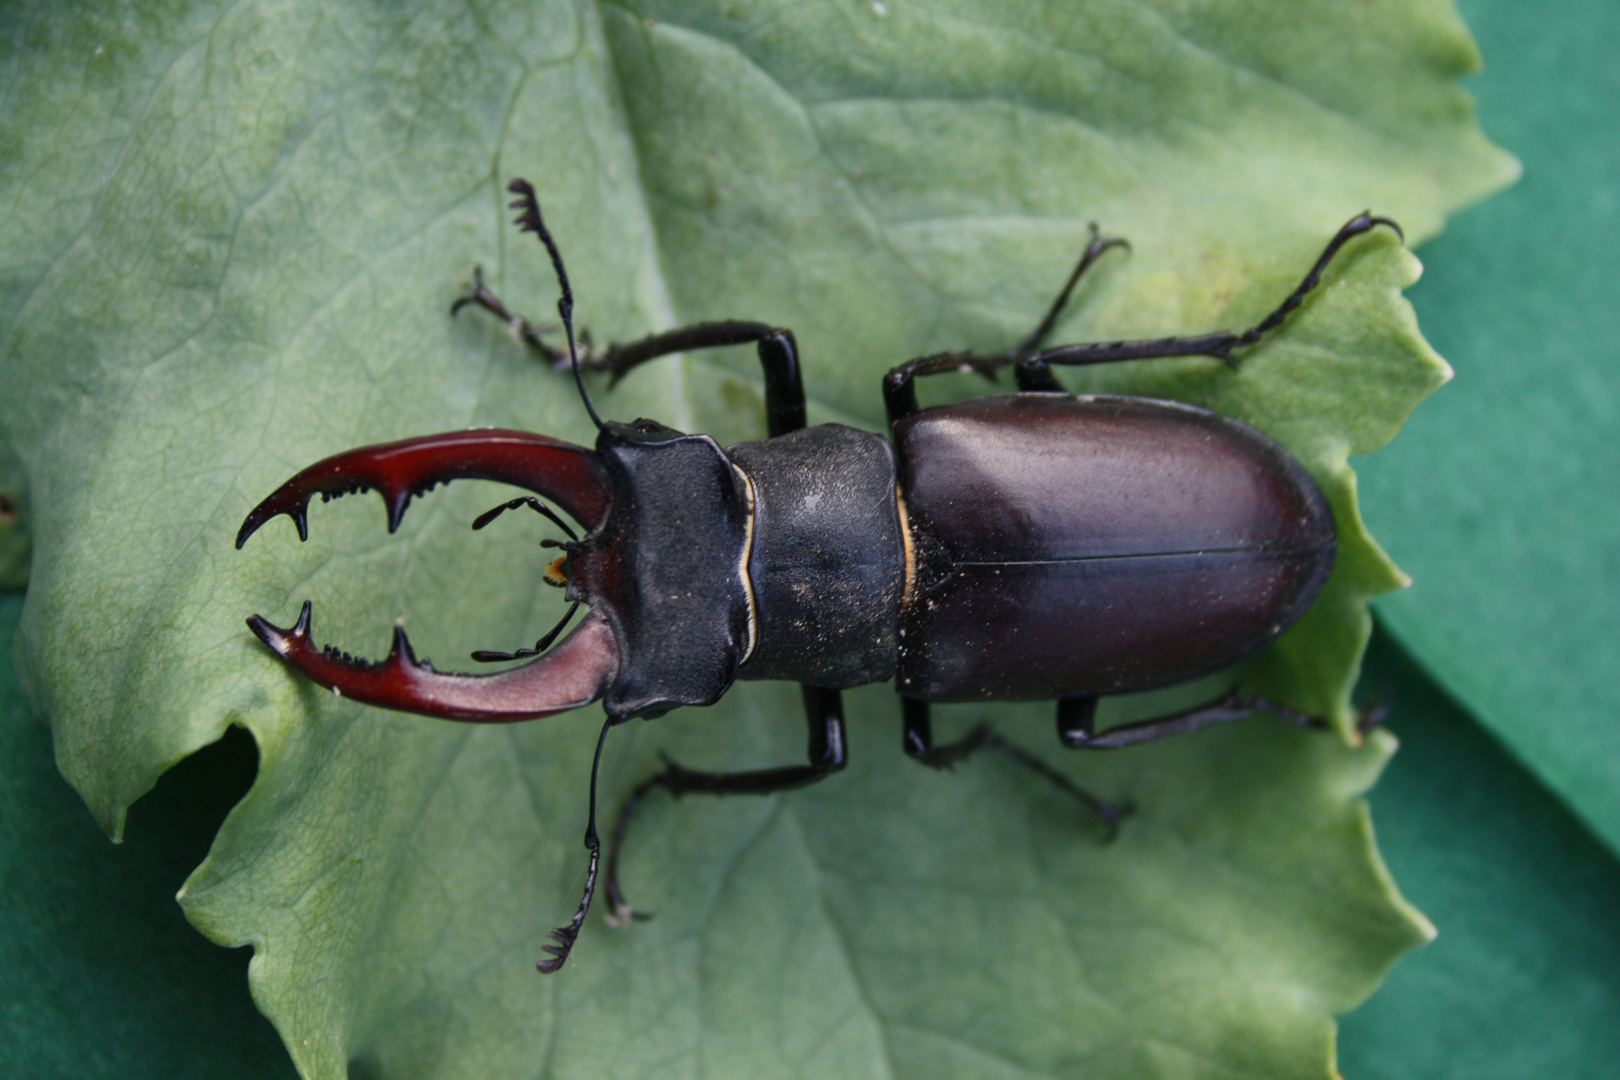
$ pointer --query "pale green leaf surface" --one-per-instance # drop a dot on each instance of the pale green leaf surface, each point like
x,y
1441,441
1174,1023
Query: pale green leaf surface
x,y
231,237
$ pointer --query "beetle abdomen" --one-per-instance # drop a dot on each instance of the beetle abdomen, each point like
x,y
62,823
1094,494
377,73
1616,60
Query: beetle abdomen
x,y
1097,545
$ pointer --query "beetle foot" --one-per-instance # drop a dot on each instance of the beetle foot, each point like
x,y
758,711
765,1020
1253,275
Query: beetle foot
x,y
1112,816
621,916
521,329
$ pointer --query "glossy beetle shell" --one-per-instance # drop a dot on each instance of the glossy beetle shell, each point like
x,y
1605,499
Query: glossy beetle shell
x,y
1068,546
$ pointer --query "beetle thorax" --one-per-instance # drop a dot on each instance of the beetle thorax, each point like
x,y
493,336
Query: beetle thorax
x,y
826,562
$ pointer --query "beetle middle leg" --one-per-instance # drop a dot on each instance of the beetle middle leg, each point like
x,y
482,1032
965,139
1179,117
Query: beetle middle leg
x,y
919,745
1031,377
899,394
824,711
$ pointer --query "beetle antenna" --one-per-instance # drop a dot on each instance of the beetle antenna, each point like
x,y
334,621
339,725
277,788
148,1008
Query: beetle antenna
x,y
529,220
533,504
490,656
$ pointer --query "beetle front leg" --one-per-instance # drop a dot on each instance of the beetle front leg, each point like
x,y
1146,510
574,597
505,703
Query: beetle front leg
x,y
778,352
522,330
778,357
824,711
919,745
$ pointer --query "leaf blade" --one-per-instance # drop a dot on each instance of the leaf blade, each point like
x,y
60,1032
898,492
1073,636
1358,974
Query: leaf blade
x,y
246,298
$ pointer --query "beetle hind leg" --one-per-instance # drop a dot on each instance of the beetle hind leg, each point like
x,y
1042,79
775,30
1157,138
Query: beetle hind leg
x,y
919,745
824,712
1077,717
1222,345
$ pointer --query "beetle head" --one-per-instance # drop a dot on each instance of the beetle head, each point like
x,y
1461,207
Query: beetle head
x,y
661,566
573,673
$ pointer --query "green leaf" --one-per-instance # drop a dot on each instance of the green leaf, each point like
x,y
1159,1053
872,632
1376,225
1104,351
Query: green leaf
x,y
103,978
1504,501
232,239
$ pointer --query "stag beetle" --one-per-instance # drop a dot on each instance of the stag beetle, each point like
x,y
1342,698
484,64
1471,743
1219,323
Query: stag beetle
x,y
1026,546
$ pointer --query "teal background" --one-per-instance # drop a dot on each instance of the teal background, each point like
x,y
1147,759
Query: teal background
x,y
100,974
1502,495
1499,499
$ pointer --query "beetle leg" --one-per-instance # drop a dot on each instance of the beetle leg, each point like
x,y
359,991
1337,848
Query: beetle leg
x,y
521,329
901,397
918,739
824,711
778,353
1033,368
1220,345
919,745
1368,719
778,356
1076,720
1094,250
